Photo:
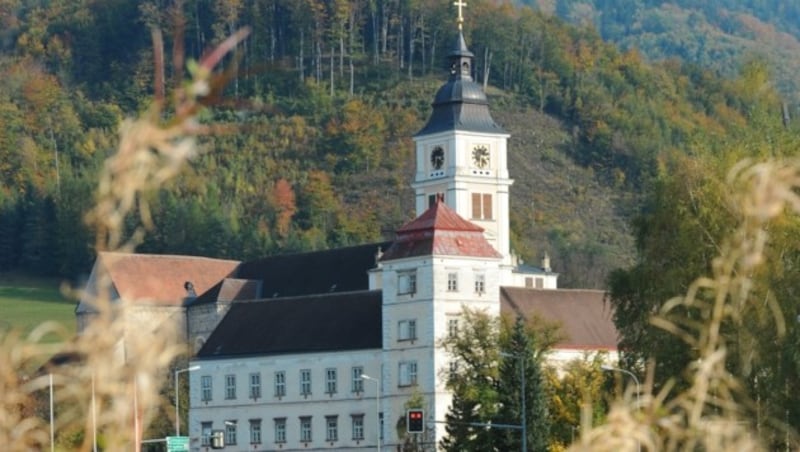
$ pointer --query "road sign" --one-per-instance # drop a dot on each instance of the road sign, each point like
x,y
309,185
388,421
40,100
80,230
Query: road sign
x,y
177,444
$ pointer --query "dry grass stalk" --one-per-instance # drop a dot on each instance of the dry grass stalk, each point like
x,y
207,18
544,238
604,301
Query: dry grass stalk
x,y
110,388
712,414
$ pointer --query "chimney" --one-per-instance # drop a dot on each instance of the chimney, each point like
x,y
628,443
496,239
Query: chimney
x,y
546,263
190,293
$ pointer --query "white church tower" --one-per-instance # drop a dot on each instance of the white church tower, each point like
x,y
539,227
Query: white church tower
x,y
462,156
461,153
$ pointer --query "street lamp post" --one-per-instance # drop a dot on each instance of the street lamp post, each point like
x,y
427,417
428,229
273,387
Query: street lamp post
x,y
377,406
638,388
178,400
524,419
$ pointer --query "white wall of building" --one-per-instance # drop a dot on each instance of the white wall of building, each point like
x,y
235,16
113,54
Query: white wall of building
x,y
319,404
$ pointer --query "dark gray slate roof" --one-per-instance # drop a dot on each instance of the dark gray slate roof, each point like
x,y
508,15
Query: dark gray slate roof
x,y
317,323
460,104
317,272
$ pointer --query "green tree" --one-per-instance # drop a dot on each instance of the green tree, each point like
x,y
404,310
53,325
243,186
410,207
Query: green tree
x,y
472,380
521,353
486,383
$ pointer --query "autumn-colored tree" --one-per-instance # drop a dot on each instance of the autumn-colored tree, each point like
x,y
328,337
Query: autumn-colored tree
x,y
284,200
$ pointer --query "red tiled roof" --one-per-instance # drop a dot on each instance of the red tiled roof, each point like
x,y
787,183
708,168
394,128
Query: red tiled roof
x,y
159,279
440,231
585,319
441,218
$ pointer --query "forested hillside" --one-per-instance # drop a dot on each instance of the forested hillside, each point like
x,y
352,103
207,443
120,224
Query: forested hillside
x,y
314,147
718,35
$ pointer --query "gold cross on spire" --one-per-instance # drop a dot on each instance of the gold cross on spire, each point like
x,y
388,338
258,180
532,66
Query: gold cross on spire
x,y
460,20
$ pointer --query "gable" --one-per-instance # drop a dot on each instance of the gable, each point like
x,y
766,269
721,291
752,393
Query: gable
x,y
156,279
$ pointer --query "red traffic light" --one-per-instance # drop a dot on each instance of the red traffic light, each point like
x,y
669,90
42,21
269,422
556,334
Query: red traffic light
x,y
415,420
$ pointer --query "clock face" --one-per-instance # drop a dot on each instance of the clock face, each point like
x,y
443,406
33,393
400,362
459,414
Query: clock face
x,y
437,158
480,156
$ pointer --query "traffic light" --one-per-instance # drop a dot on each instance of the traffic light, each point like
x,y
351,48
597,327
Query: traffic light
x,y
415,420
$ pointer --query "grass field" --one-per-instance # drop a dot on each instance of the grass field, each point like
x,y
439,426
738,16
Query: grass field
x,y
27,302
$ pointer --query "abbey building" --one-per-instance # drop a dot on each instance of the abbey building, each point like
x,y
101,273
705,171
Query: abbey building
x,y
324,350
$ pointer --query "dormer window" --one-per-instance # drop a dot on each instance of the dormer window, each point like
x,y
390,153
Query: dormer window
x,y
407,282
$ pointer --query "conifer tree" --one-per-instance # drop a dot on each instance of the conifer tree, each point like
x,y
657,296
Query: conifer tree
x,y
519,347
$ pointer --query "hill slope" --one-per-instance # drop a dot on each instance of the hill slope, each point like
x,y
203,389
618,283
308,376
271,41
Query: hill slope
x,y
716,35
560,207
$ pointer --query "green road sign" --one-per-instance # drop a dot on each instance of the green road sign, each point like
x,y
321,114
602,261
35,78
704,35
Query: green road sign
x,y
177,444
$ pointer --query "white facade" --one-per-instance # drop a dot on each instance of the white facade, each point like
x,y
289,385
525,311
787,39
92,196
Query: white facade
x,y
445,285
236,406
475,165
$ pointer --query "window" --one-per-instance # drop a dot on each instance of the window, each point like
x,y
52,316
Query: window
x,y
407,282
305,429
205,388
453,369
255,431
205,433
408,373
528,282
358,426
305,382
481,206
432,199
280,384
230,387
480,283
452,326
540,283
358,382
255,385
452,282
406,330
230,433
380,425
330,381
280,429
331,428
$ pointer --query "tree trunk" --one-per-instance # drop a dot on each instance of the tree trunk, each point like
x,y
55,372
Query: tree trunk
x,y
374,15
412,38
341,54
384,28
300,65
400,44
422,43
352,26
318,62
55,152
487,62
333,52
433,47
